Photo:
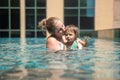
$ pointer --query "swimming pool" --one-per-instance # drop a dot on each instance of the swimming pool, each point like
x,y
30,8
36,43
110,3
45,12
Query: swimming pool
x,y
28,59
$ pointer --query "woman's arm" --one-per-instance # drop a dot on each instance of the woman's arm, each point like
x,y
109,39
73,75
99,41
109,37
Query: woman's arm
x,y
52,44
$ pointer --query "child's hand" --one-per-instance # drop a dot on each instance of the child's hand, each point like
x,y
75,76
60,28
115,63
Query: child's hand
x,y
86,38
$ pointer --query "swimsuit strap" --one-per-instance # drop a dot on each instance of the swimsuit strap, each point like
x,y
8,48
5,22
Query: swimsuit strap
x,y
73,46
61,46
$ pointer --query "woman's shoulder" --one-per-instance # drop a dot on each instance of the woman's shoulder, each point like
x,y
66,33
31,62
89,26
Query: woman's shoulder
x,y
50,38
52,43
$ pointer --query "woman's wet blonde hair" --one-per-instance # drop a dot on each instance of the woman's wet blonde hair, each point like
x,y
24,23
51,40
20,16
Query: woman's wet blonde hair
x,y
42,24
48,24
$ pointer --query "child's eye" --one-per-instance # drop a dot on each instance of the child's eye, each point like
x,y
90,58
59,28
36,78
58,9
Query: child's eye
x,y
66,34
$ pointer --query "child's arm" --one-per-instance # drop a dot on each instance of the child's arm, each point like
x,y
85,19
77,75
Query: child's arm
x,y
85,42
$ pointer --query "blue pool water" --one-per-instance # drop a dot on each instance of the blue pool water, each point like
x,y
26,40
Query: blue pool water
x,y
28,59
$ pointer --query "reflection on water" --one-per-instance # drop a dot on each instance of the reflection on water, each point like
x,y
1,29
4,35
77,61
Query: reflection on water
x,y
28,59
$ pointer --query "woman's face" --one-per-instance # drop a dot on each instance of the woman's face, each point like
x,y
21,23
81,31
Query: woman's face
x,y
60,28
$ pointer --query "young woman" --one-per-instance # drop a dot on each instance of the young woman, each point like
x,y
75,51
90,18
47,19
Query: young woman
x,y
56,40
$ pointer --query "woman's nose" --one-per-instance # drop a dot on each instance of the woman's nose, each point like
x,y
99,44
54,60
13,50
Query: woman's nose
x,y
63,27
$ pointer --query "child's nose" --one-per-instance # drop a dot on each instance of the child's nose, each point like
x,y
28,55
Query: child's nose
x,y
68,36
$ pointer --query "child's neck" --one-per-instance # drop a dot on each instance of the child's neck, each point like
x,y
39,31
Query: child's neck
x,y
69,43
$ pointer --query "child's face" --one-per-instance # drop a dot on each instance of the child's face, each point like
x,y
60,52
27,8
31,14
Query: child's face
x,y
70,36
